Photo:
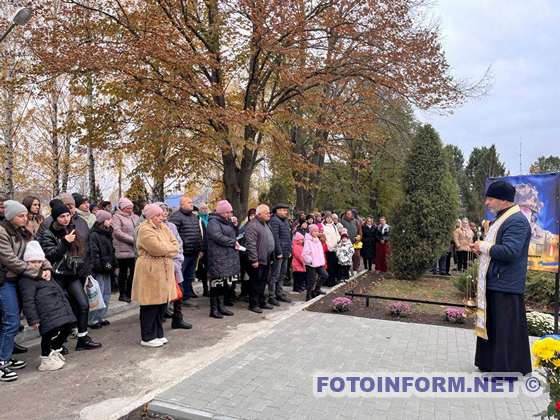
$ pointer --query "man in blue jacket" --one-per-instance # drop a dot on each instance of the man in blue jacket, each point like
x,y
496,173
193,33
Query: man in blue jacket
x,y
282,233
501,324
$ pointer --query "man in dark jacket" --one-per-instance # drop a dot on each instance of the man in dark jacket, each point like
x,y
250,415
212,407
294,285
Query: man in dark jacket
x,y
260,248
282,234
501,324
190,230
223,256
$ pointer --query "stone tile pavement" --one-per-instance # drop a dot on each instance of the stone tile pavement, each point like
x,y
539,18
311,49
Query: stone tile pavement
x,y
270,377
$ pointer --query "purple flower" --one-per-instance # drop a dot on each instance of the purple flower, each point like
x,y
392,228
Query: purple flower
x,y
341,304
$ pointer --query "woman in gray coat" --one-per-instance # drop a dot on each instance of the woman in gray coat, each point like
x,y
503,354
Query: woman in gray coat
x,y
223,256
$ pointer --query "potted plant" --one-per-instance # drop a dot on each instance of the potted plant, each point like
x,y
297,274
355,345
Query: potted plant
x,y
400,309
341,304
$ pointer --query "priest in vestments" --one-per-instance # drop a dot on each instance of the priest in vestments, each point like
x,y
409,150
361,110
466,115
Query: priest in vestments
x,y
501,323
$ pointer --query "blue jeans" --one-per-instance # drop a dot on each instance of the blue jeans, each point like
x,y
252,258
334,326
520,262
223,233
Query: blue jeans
x,y
189,267
9,313
104,281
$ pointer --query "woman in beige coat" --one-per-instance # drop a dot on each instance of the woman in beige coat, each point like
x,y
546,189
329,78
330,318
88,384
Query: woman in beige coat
x,y
154,275
463,238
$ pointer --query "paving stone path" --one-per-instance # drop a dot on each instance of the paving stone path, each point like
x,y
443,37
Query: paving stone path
x,y
271,376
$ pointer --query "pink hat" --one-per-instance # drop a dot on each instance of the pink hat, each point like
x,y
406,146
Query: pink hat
x,y
313,228
124,203
298,236
102,215
223,206
152,210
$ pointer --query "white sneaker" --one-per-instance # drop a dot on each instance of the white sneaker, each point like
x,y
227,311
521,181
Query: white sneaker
x,y
152,343
60,355
51,362
163,340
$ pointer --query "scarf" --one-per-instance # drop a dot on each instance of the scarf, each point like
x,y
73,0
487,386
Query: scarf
x,y
204,218
485,260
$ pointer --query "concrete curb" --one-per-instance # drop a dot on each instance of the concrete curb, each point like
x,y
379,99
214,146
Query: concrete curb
x,y
178,411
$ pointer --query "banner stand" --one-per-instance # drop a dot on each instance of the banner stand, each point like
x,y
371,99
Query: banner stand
x,y
556,301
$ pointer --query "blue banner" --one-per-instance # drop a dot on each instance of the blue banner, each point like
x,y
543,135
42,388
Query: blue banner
x,y
538,198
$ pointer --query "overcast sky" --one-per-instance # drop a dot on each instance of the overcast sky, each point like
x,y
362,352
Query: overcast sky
x,y
520,41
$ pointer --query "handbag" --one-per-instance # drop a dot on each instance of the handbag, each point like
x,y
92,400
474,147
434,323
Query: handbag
x,y
179,292
68,266
94,295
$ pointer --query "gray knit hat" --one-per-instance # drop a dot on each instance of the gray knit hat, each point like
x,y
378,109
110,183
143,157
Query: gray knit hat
x,y
13,208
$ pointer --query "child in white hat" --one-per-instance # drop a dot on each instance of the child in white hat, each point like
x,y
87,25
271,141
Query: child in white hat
x,y
47,309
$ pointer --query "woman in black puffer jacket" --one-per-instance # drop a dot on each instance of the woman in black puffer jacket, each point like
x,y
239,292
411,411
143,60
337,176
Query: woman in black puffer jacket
x,y
103,262
66,252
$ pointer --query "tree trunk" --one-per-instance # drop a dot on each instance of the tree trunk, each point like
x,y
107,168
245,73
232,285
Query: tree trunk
x,y
158,192
91,158
91,174
66,164
55,146
8,105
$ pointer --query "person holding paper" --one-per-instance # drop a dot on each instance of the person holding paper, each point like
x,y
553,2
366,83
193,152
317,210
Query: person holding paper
x,y
501,324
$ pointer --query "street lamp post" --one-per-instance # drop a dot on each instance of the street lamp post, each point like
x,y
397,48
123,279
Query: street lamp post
x,y
22,16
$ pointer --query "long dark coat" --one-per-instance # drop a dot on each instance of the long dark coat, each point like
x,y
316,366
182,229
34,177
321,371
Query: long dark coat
x,y
223,258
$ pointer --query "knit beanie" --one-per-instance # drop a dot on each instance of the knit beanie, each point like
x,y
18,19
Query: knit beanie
x,y
58,210
79,199
501,190
33,252
124,203
151,210
13,208
67,199
55,201
102,215
223,206
313,228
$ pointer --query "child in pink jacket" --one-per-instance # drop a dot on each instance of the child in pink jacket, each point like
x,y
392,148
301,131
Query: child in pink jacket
x,y
314,258
298,265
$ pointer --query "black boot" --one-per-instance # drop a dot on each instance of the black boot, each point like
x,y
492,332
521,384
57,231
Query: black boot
x,y
19,349
205,292
86,343
229,295
222,308
178,323
214,312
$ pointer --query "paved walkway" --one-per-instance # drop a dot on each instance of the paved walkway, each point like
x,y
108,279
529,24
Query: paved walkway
x,y
270,377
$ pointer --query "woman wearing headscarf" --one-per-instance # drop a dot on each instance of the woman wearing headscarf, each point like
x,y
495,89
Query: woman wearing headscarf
x,y
154,274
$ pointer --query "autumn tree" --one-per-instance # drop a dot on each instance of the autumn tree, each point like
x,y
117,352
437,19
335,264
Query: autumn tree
x,y
234,70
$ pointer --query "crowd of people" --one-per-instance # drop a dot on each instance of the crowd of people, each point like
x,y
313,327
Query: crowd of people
x,y
464,235
48,263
